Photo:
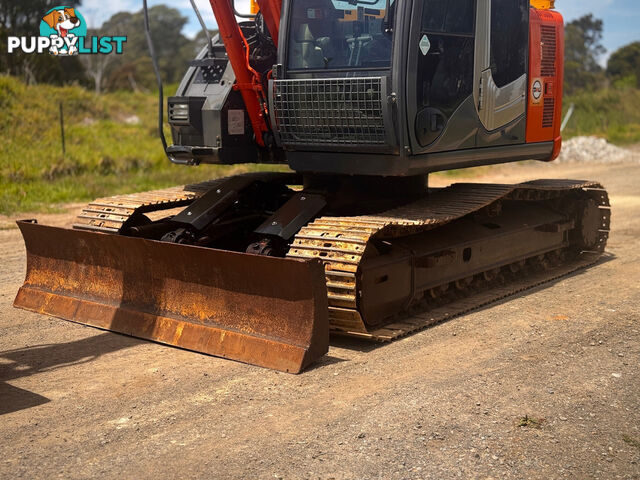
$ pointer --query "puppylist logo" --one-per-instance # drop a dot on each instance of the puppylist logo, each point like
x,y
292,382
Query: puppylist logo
x,y
63,32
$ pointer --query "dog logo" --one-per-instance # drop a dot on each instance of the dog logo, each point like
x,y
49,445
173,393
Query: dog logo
x,y
63,32
63,25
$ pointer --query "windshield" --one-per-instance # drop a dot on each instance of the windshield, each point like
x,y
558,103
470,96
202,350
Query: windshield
x,y
334,34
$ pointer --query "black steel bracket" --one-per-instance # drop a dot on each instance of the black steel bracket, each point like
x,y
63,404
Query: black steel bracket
x,y
208,208
292,216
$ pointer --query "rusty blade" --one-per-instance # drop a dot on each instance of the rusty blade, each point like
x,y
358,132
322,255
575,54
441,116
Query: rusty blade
x,y
270,312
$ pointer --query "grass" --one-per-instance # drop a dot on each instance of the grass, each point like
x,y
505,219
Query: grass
x,y
530,422
631,441
111,147
49,196
112,144
612,113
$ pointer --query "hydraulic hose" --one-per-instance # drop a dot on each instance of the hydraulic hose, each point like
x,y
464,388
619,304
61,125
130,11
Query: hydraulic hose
x,y
156,70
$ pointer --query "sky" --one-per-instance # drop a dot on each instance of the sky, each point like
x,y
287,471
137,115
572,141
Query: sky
x,y
621,17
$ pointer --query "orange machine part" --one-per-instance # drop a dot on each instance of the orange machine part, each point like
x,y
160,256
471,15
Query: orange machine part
x,y
271,13
546,72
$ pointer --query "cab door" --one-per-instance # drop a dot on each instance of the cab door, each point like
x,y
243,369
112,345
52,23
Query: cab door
x,y
466,74
440,70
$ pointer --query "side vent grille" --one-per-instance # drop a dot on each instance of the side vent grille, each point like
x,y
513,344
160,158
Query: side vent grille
x,y
548,112
343,111
548,35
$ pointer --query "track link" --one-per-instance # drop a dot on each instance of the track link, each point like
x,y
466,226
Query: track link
x,y
108,215
341,243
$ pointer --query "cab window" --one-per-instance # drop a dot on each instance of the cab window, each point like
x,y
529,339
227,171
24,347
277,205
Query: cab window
x,y
445,64
336,34
509,40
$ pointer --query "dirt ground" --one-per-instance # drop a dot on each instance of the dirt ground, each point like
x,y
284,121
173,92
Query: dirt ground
x,y
545,385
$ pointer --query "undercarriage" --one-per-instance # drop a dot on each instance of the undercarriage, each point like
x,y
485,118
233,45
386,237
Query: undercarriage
x,y
260,267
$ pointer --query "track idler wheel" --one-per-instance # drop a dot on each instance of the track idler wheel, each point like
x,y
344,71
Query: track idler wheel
x,y
438,292
180,235
464,283
491,275
267,247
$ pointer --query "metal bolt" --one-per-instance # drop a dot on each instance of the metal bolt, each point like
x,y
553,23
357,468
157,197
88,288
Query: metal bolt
x,y
218,191
188,213
274,223
302,199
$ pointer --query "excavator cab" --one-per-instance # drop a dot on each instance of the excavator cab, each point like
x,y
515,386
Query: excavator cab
x,y
432,85
396,88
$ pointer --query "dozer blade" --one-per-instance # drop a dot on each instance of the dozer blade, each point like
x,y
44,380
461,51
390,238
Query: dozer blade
x,y
265,311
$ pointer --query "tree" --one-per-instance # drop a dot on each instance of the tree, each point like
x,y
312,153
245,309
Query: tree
x,y
23,17
200,41
583,49
133,68
95,66
625,63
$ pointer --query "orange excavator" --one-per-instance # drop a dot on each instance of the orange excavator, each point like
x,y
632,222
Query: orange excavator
x,y
362,99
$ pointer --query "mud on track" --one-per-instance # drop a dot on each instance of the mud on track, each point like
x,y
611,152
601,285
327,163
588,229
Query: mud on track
x,y
76,402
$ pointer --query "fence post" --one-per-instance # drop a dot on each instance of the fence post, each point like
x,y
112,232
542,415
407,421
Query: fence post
x,y
567,117
64,149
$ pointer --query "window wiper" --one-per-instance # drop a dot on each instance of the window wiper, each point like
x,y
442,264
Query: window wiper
x,y
385,20
362,2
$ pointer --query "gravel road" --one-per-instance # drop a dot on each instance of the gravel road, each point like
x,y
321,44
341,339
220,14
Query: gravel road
x,y
545,385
